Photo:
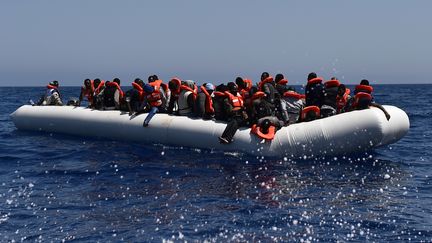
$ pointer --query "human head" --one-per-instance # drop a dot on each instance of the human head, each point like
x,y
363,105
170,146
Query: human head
x,y
312,76
232,87
174,84
333,78
264,75
54,83
279,77
152,78
364,82
221,88
117,80
139,82
87,83
341,90
253,90
240,83
96,82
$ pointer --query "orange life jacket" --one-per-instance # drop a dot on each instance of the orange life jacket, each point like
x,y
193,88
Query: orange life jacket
x,y
155,97
88,92
117,87
307,109
140,90
99,88
341,101
49,86
292,94
315,81
266,80
245,92
332,83
267,136
235,101
194,90
361,95
209,109
283,81
364,89
257,95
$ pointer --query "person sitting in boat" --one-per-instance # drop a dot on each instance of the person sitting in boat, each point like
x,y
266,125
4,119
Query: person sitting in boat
x,y
342,98
218,102
187,97
204,103
266,127
52,95
87,90
294,103
244,86
112,95
314,90
235,112
310,113
99,86
135,96
260,107
363,99
153,100
164,89
329,104
174,86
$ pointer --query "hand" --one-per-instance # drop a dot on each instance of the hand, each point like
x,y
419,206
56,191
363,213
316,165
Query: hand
x,y
387,116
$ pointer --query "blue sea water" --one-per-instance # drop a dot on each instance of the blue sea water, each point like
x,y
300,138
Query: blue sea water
x,y
55,187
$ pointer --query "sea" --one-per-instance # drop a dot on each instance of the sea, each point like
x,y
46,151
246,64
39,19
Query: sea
x,y
56,188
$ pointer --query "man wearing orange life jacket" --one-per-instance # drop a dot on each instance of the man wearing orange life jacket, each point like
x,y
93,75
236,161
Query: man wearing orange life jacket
x,y
113,95
154,100
52,95
87,90
135,96
204,103
99,86
244,86
174,86
314,90
329,104
219,102
187,97
363,99
342,98
235,112
164,90
294,103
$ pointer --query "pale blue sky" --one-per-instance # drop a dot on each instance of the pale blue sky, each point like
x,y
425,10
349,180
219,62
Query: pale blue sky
x,y
386,41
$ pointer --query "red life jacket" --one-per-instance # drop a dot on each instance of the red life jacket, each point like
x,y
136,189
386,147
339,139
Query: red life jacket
x,y
364,89
292,94
194,90
110,84
235,101
155,97
209,109
315,81
88,92
257,95
361,96
341,101
219,94
99,88
49,86
332,83
307,109
266,80
283,81
140,90
267,136
245,92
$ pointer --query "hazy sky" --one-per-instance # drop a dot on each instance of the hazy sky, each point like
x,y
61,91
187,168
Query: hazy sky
x,y
386,41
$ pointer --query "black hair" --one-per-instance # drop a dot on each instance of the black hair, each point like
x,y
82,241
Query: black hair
x,y
264,75
364,82
221,88
240,82
117,80
87,82
333,78
232,87
279,77
312,76
97,80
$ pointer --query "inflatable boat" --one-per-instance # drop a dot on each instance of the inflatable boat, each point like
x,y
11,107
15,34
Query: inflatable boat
x,y
345,133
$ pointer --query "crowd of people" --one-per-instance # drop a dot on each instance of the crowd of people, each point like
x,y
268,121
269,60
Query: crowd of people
x,y
264,107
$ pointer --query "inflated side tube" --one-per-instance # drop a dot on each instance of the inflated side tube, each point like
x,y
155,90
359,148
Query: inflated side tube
x,y
344,133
